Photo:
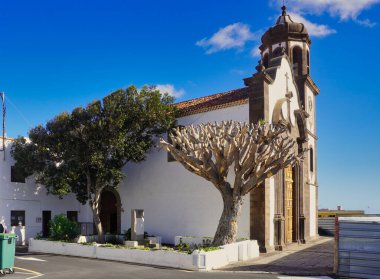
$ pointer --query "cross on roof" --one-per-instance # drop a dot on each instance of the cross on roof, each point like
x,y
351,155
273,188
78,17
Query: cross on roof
x,y
283,7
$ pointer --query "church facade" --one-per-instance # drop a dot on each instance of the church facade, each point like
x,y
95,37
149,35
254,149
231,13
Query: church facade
x,y
293,215
176,202
281,212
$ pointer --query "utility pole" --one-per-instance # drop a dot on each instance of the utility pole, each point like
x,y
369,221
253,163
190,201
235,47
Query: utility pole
x,y
2,95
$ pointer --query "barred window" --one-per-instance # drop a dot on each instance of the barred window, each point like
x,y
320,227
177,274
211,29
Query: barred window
x,y
17,218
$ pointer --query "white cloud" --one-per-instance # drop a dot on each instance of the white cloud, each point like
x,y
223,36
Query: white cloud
x,y
233,36
344,9
256,52
366,23
315,30
170,89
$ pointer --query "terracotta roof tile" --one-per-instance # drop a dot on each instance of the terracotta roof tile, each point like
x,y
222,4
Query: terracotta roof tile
x,y
213,102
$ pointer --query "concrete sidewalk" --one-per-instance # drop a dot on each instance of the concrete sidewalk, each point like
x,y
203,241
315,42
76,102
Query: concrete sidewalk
x,y
313,258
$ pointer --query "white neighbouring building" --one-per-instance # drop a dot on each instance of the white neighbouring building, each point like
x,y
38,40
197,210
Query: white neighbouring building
x,y
24,206
177,202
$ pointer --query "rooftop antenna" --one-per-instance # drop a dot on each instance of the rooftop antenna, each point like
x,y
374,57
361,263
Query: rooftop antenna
x,y
2,95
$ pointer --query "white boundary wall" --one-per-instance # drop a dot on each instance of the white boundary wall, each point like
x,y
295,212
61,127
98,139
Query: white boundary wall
x,y
198,260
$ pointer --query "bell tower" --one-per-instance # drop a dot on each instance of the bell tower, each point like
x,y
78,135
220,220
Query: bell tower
x,y
296,205
292,38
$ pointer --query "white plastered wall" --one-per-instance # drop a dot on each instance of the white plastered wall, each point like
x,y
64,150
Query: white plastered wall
x,y
310,108
313,210
175,201
277,92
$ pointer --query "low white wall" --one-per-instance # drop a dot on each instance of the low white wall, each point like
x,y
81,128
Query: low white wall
x,y
198,260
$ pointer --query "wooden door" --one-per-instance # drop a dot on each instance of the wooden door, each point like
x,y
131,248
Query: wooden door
x,y
46,217
108,212
288,204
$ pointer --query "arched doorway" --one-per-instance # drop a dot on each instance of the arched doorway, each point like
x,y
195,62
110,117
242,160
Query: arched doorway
x,y
110,209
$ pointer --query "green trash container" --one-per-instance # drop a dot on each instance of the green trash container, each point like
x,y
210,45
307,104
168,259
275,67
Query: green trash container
x,y
7,252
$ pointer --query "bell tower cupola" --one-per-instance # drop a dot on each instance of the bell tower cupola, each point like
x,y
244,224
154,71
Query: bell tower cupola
x,y
292,38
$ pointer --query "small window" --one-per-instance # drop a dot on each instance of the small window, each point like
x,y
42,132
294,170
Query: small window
x,y
17,218
170,157
311,159
17,175
72,215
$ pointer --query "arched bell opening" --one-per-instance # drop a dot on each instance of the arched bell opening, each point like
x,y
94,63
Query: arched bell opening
x,y
297,61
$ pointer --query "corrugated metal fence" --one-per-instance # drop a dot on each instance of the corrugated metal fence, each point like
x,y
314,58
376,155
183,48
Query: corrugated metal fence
x,y
326,226
357,252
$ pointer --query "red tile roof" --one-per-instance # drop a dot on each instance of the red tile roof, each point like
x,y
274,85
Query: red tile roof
x,y
213,102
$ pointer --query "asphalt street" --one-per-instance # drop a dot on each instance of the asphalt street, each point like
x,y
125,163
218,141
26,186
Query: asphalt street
x,y
28,266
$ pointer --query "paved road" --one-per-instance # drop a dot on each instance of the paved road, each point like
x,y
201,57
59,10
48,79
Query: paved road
x,y
30,266
313,258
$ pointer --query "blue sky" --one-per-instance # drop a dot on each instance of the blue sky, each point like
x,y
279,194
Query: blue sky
x,y
56,55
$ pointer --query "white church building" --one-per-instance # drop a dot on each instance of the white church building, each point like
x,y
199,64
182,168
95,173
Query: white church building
x,y
177,202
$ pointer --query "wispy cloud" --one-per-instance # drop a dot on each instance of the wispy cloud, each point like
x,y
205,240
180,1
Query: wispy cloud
x,y
238,72
344,9
171,90
366,23
315,30
233,36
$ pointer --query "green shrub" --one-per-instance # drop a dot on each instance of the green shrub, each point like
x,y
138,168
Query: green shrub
x,y
38,236
128,234
88,243
113,239
63,229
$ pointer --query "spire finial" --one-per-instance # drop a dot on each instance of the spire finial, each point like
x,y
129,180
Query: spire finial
x,y
283,9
